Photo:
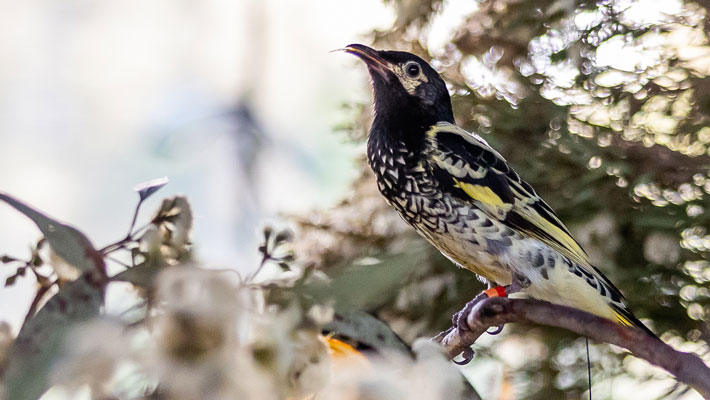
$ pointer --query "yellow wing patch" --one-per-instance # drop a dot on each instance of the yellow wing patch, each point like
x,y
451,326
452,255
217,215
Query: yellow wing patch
x,y
480,193
488,200
569,247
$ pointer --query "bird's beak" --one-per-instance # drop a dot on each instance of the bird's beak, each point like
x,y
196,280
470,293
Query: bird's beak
x,y
370,56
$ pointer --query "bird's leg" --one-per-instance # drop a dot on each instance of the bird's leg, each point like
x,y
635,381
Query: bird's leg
x,y
459,319
509,289
519,283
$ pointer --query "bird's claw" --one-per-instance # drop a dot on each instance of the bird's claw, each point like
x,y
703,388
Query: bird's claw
x,y
459,320
467,355
496,331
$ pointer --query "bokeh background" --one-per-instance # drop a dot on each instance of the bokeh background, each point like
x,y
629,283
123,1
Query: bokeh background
x,y
602,106
234,101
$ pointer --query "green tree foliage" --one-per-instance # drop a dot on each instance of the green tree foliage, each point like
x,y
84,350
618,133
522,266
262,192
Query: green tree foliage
x,y
604,108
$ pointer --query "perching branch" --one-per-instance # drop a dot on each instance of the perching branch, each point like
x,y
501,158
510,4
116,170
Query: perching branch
x,y
686,367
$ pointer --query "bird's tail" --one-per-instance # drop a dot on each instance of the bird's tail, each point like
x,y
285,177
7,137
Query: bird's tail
x,y
627,318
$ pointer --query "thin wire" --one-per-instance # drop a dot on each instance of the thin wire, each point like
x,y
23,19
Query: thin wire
x,y
589,369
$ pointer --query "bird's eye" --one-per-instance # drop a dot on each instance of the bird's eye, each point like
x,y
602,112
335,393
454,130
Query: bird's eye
x,y
412,69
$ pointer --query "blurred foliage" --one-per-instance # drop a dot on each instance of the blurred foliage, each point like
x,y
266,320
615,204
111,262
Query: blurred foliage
x,y
603,107
184,332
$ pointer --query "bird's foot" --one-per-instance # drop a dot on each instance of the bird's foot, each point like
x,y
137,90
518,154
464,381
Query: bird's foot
x,y
459,319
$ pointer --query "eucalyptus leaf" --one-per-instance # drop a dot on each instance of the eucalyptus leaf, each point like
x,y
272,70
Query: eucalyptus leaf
x,y
39,343
67,242
364,286
142,275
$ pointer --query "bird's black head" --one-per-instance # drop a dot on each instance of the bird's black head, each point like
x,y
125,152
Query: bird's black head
x,y
407,89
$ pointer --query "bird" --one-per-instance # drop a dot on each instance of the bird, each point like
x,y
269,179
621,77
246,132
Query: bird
x,y
462,196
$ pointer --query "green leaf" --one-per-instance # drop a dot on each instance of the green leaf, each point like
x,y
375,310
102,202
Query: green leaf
x,y
663,222
39,344
268,231
283,236
142,275
559,56
7,259
366,286
67,242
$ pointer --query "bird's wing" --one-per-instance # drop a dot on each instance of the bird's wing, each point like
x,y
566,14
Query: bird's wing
x,y
469,169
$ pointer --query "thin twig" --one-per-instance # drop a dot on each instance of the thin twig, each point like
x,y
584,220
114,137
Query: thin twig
x,y
119,262
686,367
110,248
135,217
264,259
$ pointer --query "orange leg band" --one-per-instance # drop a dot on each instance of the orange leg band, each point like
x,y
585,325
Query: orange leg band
x,y
498,291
